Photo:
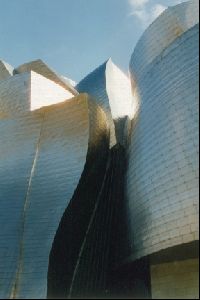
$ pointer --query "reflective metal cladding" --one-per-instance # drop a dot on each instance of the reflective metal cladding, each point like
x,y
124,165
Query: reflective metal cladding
x,y
98,190
42,157
112,91
162,175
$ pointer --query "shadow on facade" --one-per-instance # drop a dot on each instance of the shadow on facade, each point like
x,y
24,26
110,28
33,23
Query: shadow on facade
x,y
93,234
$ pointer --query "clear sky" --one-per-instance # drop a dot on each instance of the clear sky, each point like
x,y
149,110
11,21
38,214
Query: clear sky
x,y
74,36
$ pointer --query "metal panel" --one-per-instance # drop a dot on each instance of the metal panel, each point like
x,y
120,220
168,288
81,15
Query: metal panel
x,y
15,95
5,70
29,91
39,173
112,90
41,68
162,177
162,32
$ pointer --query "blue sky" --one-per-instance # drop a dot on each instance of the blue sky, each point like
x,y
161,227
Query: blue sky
x,y
74,36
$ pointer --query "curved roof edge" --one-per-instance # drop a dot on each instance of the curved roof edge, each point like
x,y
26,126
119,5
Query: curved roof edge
x,y
170,25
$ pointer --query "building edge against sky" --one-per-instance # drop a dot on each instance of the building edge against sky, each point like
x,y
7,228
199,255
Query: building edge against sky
x,y
166,131
159,253
162,175
163,166
112,90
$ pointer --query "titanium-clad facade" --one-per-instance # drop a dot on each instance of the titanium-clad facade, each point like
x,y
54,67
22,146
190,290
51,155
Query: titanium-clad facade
x,y
41,68
29,91
99,194
15,94
112,91
170,25
42,157
95,85
5,70
162,176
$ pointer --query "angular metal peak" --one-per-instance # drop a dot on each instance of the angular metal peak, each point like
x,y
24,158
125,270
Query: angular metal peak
x,y
43,69
5,70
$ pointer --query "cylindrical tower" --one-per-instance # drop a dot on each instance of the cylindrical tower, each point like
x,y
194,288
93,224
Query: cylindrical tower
x,y
162,176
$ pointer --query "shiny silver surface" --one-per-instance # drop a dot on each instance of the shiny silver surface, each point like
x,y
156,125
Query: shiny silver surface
x,y
170,25
15,95
5,70
42,157
162,176
41,68
27,92
112,90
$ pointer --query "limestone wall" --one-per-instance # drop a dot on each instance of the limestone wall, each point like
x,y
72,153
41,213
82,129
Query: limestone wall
x,y
175,280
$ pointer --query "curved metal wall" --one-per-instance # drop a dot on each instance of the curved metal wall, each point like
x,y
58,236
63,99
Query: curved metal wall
x,y
42,157
95,85
15,95
162,177
171,24
112,90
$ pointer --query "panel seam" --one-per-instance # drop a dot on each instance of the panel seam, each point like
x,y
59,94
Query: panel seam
x,y
15,287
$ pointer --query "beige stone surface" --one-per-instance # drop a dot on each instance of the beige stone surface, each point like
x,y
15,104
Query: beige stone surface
x,y
175,280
